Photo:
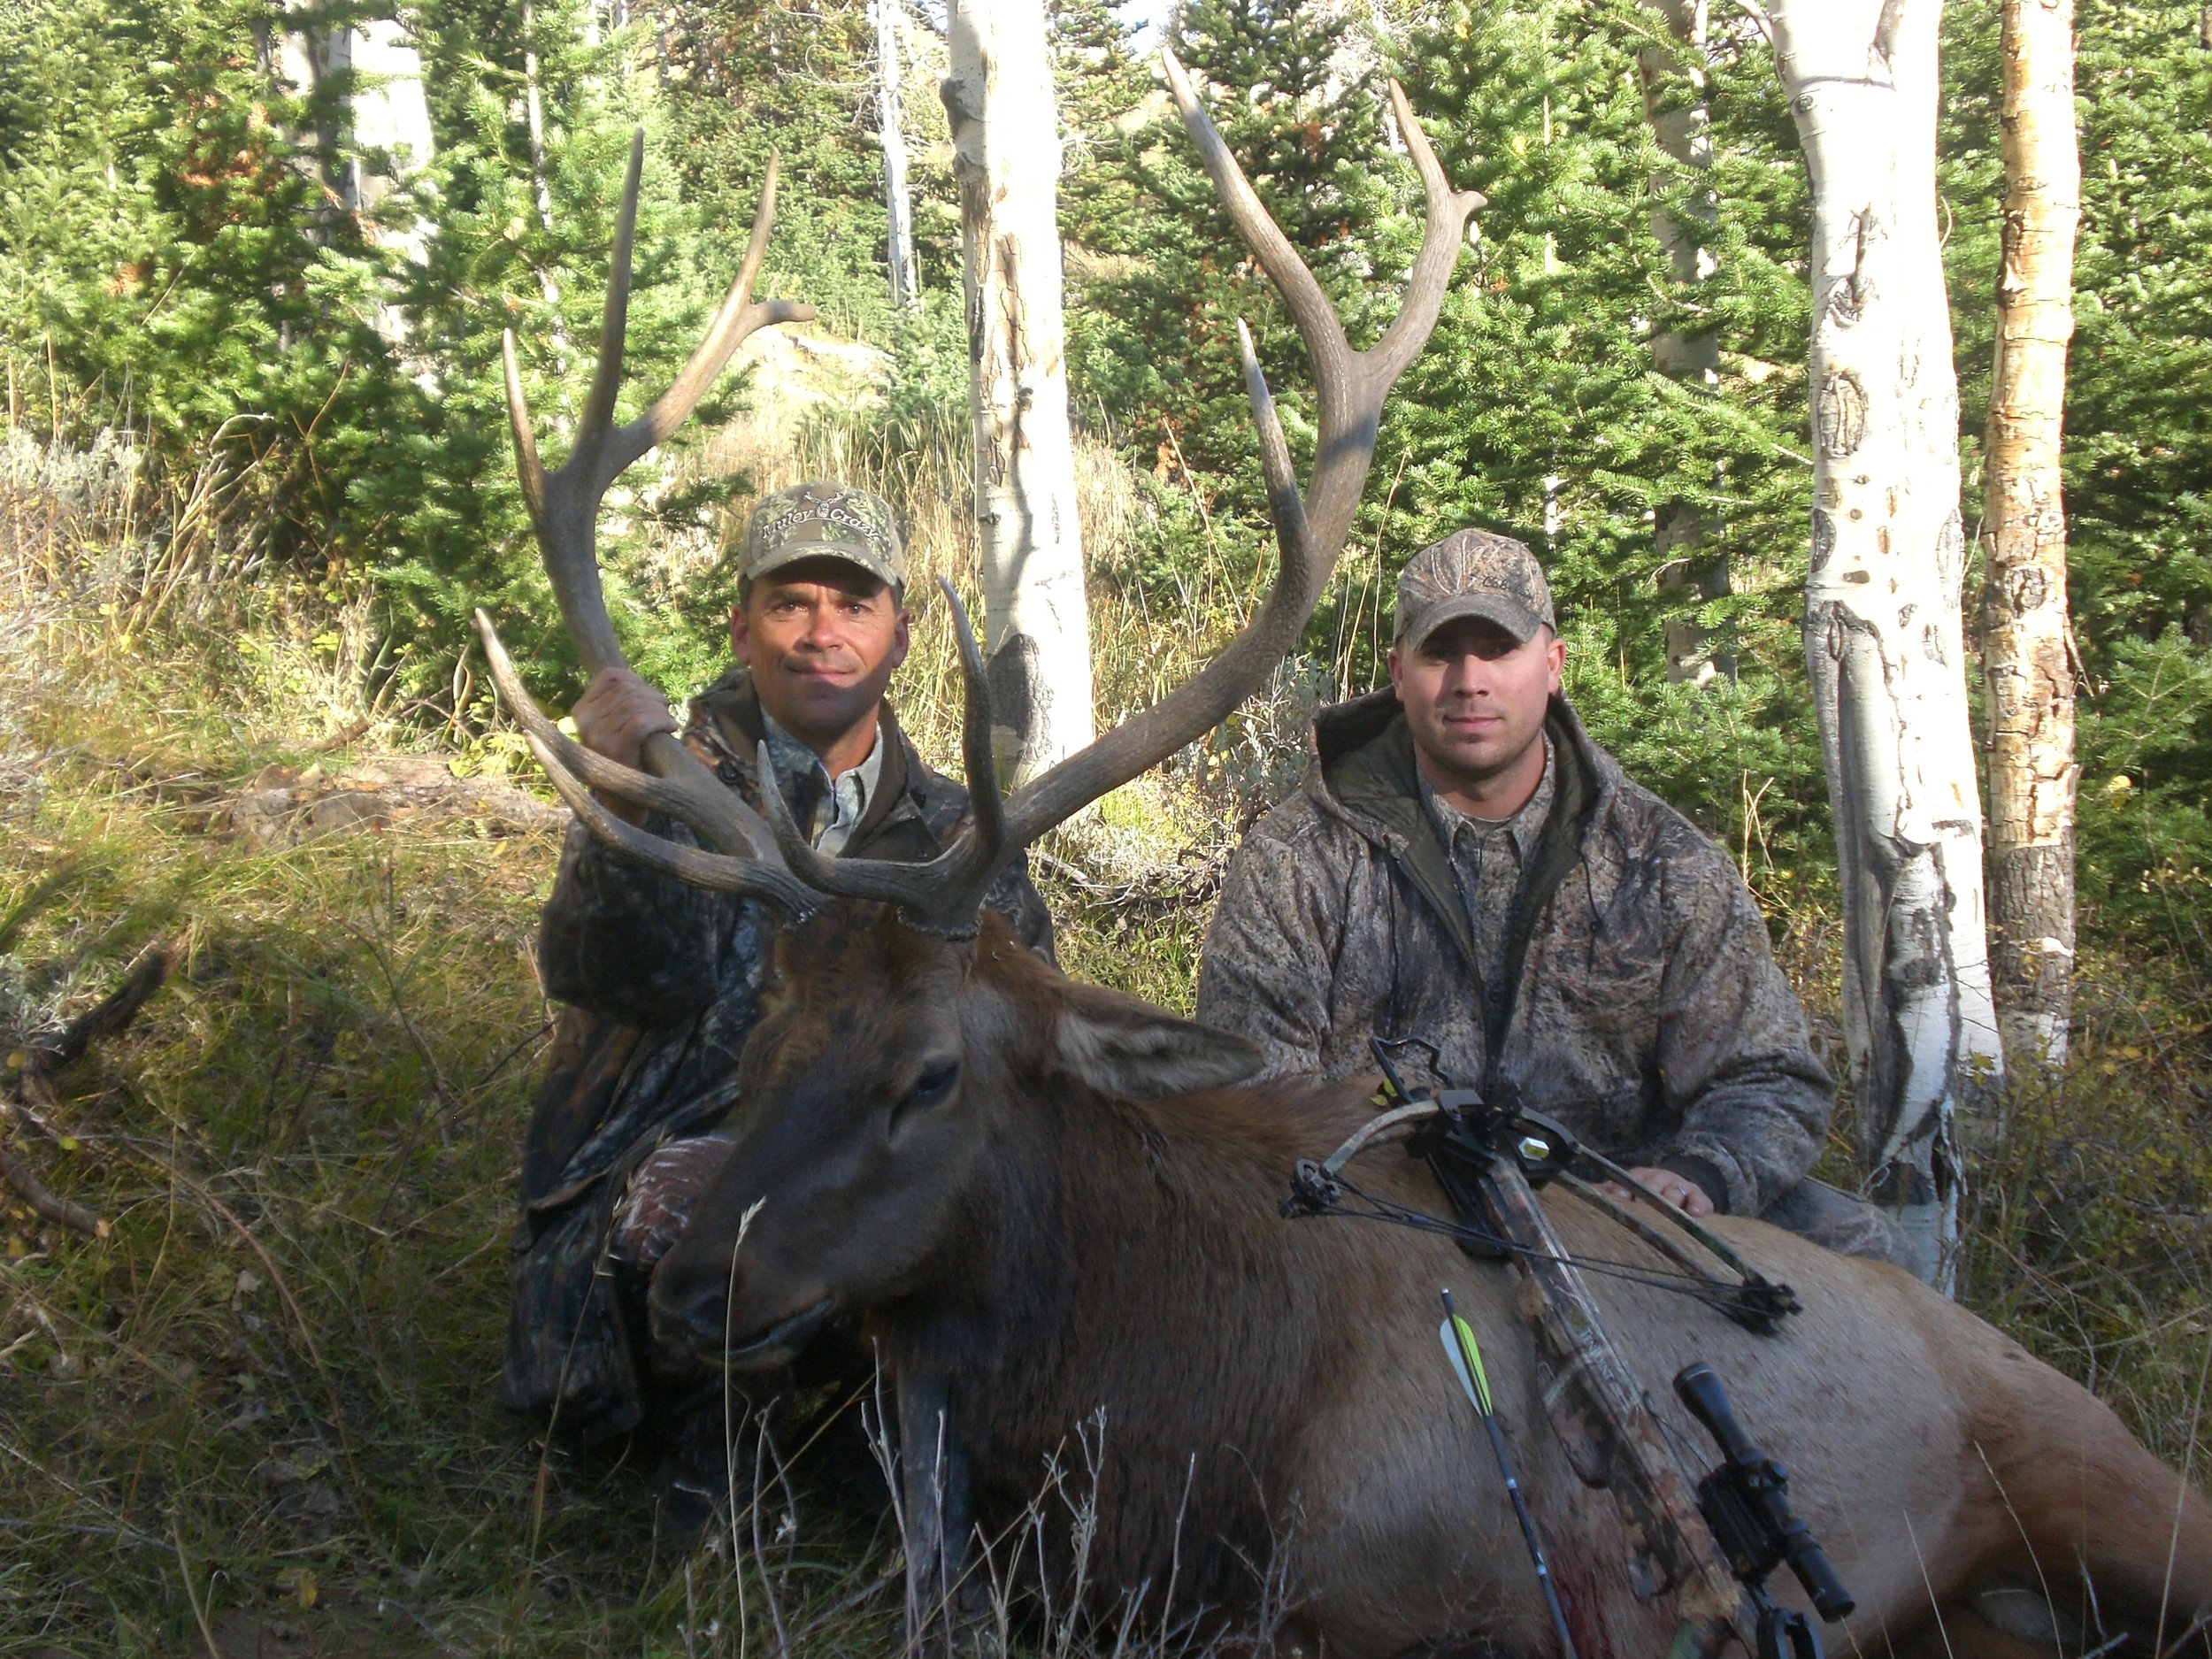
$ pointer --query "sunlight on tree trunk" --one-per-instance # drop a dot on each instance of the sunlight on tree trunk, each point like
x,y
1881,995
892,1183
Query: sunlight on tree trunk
x,y
1884,641
541,183
898,202
380,139
2027,639
1672,76
1005,135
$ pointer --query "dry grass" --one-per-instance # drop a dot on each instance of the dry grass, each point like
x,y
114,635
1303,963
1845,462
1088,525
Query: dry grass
x,y
258,1417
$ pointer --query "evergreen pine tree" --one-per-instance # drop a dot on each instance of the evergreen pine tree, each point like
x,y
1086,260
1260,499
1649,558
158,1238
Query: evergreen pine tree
x,y
1537,409
170,246
746,77
1285,83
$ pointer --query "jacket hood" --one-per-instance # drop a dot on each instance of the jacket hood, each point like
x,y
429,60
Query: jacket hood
x,y
1365,765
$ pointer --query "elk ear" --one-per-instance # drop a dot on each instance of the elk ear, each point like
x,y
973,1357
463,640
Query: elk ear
x,y
1129,1048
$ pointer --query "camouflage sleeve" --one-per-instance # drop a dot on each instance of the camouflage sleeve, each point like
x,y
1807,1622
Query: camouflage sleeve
x,y
1735,1054
628,942
1264,973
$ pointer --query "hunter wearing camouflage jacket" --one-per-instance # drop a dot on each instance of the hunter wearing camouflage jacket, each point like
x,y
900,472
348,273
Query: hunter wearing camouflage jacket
x,y
663,983
1639,1002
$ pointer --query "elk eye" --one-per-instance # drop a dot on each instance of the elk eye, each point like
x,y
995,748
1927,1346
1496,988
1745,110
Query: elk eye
x,y
930,1088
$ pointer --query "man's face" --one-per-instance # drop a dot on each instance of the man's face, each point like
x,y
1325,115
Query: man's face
x,y
822,638
1475,697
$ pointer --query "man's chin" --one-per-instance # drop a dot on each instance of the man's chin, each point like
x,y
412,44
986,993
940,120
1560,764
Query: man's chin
x,y
1475,763
818,711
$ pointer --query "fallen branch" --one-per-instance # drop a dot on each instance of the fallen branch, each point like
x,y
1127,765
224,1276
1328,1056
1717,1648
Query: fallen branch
x,y
46,1057
34,1192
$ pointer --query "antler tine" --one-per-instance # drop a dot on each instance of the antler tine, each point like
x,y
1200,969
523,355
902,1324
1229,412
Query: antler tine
x,y
770,883
987,810
1448,211
527,466
938,897
1285,507
1316,319
565,538
737,318
690,795
565,502
1309,526
597,421
714,811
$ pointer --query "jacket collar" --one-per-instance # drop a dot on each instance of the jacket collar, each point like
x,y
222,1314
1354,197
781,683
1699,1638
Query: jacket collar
x,y
731,706
1366,774
1366,767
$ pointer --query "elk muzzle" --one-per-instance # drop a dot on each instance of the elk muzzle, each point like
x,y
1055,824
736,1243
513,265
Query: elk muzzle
x,y
716,1322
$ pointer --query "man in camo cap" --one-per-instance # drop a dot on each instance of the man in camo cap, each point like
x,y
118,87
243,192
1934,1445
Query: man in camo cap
x,y
1463,868
661,979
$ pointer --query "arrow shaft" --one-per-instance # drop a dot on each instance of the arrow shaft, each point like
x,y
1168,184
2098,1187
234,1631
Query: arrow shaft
x,y
1471,1356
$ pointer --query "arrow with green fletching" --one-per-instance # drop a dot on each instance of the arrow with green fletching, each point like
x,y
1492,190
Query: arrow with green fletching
x,y
1465,1355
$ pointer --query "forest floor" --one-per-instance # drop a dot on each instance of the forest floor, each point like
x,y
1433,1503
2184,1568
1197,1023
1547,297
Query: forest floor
x,y
257,1414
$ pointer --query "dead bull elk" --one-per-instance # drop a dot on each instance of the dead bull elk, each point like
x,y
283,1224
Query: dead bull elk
x,y
1045,1198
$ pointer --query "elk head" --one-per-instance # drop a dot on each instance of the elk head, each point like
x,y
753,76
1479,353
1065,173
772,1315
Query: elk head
x,y
904,1024
892,1089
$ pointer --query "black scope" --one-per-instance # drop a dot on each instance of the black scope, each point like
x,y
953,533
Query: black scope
x,y
1746,1502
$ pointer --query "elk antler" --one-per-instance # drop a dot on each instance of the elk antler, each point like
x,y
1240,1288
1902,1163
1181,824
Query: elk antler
x,y
942,895
564,511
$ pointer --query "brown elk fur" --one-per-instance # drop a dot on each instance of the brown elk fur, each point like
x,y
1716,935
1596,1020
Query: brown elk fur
x,y
1051,1247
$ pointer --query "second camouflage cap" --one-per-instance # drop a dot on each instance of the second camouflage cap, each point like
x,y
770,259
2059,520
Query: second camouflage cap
x,y
823,519
1472,573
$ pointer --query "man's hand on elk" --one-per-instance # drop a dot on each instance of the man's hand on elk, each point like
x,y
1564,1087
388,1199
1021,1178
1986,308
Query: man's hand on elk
x,y
1679,1190
614,716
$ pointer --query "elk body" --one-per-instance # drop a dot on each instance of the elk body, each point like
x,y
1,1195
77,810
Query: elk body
x,y
1027,1189
1045,1199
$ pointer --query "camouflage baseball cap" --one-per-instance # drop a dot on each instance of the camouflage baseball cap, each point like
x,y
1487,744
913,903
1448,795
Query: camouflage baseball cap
x,y
1472,573
822,519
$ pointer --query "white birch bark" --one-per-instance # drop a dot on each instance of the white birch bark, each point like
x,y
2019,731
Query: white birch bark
x,y
2027,642
389,143
1884,641
382,138
1672,77
898,200
541,183
1006,143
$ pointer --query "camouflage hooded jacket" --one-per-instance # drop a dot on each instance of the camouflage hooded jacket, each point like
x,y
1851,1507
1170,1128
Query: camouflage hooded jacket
x,y
663,982
1639,1003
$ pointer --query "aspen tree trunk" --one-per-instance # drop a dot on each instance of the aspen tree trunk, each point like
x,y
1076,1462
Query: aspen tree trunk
x,y
386,119
1884,641
389,117
1006,142
2027,643
540,181
898,200
1672,76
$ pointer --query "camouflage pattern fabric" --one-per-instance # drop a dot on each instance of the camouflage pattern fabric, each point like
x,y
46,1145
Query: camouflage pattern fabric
x,y
822,518
1638,1003
1471,573
663,983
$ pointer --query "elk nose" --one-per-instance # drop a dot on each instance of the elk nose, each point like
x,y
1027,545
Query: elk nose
x,y
687,1325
